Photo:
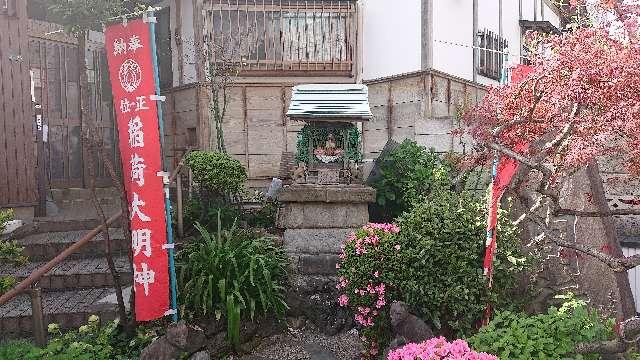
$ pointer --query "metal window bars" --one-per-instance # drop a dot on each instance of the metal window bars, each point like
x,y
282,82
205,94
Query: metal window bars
x,y
289,35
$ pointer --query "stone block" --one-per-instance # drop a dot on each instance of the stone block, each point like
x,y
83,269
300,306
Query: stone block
x,y
351,194
323,215
303,193
324,264
315,241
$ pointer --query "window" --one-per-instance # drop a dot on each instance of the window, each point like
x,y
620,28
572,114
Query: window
x,y
303,35
491,59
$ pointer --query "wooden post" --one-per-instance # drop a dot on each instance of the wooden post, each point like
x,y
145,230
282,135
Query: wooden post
x,y
37,314
179,201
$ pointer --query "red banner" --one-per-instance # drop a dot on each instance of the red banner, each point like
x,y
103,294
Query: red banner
x,y
132,79
503,171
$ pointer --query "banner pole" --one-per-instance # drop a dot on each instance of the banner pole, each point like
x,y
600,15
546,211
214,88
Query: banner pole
x,y
167,200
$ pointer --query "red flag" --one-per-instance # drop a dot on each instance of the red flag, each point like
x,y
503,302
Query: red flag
x,y
133,85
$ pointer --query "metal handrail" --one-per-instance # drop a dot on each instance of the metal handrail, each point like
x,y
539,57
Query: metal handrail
x,y
43,270
25,284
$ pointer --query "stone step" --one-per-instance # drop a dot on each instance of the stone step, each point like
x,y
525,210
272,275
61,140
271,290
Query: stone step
x,y
73,273
46,246
69,309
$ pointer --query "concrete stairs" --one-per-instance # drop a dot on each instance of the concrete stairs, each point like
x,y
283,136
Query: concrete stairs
x,y
81,285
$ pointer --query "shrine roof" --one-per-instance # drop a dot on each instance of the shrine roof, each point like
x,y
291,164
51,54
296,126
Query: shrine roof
x,y
330,102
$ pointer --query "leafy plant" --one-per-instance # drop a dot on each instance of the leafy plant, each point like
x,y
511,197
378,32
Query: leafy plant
x,y
439,272
217,172
5,216
81,15
233,272
7,283
317,135
431,261
10,253
363,281
89,342
407,173
545,336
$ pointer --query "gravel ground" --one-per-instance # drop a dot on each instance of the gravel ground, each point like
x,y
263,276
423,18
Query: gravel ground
x,y
307,344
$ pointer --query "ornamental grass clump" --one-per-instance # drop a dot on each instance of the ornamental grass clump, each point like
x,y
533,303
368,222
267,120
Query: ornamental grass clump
x,y
437,349
235,273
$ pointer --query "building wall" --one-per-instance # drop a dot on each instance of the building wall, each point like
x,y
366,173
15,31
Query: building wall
x,y
392,37
17,162
453,23
422,106
392,33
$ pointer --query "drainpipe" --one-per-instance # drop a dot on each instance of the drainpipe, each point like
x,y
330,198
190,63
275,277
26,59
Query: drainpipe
x,y
427,34
475,40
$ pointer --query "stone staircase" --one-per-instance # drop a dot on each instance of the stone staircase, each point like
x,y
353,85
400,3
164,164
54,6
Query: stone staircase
x,y
82,284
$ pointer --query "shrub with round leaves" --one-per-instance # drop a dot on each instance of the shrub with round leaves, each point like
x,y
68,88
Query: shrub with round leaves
x,y
217,172
439,270
439,349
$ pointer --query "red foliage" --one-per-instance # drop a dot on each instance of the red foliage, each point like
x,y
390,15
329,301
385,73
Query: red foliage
x,y
589,69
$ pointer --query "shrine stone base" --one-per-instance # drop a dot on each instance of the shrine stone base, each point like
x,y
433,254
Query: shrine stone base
x,y
316,220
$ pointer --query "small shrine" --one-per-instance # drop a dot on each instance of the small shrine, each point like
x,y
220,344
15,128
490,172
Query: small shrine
x,y
328,198
329,148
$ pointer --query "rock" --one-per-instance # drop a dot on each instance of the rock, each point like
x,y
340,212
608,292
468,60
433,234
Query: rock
x,y
200,355
180,339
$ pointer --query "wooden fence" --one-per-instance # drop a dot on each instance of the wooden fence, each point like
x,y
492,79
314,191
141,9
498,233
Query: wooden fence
x,y
17,160
422,106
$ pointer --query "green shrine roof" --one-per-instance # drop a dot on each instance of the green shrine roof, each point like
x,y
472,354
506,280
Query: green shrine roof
x,y
330,102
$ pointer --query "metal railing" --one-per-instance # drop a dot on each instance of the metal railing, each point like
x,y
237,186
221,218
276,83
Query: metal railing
x,y
285,35
29,284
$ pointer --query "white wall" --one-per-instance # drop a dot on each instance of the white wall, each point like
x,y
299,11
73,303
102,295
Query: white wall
x,y
634,276
392,37
453,27
453,30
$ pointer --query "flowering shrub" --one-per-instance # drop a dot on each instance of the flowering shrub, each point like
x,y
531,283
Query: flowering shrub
x,y
439,348
362,282
433,262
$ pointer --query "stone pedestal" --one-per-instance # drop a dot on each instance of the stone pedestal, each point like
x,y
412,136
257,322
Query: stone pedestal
x,y
316,220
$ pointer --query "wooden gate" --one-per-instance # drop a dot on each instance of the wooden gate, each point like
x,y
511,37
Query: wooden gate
x,y
17,176
55,67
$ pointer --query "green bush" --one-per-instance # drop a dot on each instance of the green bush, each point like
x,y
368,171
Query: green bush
x,y
217,172
10,253
89,342
233,272
545,336
434,264
439,270
208,218
407,173
5,216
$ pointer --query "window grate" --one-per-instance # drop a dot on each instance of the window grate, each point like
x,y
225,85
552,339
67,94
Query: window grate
x,y
491,57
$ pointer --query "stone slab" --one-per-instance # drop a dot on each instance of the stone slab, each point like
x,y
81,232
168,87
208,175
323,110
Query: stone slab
x,y
322,215
315,241
323,264
327,193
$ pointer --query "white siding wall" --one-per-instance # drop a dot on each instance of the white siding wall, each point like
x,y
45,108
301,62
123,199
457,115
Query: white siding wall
x,y
392,37
453,23
634,276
